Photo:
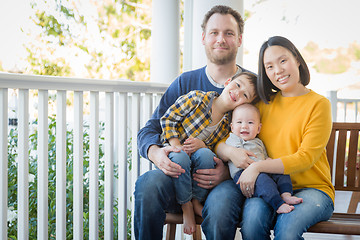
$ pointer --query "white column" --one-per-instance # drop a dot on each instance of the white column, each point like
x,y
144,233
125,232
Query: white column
x,y
165,51
195,10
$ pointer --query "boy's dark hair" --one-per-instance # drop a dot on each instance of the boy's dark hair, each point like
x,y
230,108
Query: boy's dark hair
x,y
265,88
223,10
253,81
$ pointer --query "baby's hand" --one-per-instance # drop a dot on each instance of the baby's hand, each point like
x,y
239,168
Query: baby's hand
x,y
192,145
268,158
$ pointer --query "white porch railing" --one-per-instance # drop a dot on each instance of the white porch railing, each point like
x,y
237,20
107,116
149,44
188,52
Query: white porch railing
x,y
126,106
344,109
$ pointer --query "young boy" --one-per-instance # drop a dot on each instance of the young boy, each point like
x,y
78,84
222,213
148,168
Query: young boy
x,y
194,124
275,189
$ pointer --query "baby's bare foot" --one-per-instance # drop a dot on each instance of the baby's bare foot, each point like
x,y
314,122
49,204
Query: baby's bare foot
x,y
189,218
291,199
285,208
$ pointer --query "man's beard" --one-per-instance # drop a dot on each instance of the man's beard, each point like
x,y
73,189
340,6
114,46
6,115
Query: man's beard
x,y
220,60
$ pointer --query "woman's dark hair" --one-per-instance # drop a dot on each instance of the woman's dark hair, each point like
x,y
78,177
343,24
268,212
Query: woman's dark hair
x,y
264,86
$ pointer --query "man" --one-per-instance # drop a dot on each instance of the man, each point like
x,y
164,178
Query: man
x,y
154,190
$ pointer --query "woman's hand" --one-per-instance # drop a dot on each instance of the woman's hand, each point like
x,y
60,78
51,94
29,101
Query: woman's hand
x,y
239,156
209,178
247,180
192,145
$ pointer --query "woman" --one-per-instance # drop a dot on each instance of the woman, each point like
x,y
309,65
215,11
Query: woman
x,y
296,125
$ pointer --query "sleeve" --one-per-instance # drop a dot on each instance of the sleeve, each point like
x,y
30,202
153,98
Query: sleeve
x,y
176,114
150,133
314,140
263,149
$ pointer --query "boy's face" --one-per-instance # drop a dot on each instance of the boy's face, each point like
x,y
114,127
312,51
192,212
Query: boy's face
x,y
245,123
239,91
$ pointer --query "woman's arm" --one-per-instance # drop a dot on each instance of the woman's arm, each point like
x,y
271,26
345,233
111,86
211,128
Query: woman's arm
x,y
250,174
239,156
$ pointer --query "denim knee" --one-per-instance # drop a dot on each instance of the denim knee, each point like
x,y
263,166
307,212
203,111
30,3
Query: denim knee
x,y
181,158
222,211
203,158
316,206
154,195
257,219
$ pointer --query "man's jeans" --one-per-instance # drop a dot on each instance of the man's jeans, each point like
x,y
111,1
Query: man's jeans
x,y
155,195
259,218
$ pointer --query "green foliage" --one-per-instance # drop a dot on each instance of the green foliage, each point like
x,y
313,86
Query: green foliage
x,y
41,66
339,64
95,39
12,182
330,61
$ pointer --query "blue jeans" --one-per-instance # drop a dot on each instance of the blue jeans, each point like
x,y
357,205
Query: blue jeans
x,y
259,218
269,187
155,195
187,189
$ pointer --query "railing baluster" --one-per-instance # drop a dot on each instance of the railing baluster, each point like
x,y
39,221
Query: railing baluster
x,y
23,165
109,167
122,165
3,161
61,165
42,184
147,106
78,166
135,126
94,167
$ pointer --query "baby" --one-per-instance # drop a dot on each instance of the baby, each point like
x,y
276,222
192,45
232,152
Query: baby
x,y
275,189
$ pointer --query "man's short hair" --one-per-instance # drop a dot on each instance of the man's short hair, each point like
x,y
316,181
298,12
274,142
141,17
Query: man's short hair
x,y
223,10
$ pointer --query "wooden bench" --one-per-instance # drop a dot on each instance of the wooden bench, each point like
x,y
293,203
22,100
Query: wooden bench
x,y
343,156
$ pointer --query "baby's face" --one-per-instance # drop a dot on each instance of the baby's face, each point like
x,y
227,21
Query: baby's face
x,y
245,123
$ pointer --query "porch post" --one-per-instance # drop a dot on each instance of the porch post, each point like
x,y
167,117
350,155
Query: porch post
x,y
165,51
194,52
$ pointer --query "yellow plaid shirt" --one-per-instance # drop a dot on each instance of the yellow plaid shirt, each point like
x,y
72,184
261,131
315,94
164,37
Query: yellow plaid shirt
x,y
189,115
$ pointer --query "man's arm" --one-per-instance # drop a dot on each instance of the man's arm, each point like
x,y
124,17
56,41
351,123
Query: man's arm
x,y
148,137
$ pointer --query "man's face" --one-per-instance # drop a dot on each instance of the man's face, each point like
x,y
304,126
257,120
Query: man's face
x,y
221,39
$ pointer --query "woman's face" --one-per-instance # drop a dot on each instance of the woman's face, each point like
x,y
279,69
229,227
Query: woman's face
x,y
282,68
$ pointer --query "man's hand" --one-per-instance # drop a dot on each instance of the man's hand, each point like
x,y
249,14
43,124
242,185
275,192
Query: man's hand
x,y
192,145
159,156
209,178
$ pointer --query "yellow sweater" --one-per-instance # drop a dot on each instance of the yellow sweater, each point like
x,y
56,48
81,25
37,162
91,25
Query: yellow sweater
x,y
296,130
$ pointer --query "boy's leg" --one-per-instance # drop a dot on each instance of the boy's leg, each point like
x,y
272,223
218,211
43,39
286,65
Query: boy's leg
x,y
183,189
182,184
203,158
